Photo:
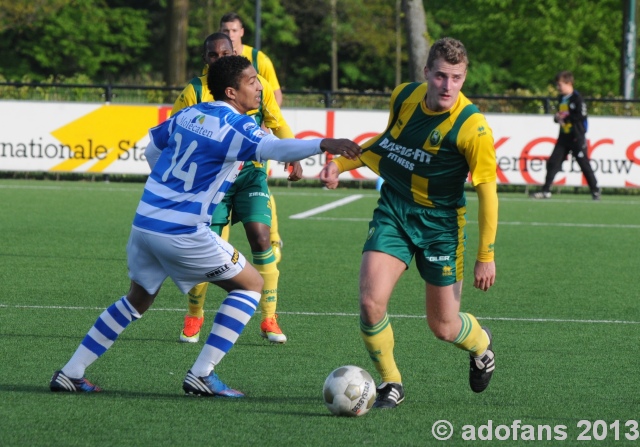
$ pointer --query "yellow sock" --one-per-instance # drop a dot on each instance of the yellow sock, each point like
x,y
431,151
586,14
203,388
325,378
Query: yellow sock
x,y
274,234
266,265
225,232
379,341
471,337
195,298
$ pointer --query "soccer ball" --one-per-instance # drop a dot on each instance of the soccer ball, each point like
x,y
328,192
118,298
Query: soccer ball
x,y
349,391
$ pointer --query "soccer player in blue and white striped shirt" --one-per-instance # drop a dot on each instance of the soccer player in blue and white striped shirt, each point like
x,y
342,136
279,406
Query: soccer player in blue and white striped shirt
x,y
195,157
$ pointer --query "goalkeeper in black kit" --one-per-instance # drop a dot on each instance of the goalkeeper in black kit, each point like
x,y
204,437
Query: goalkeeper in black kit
x,y
572,117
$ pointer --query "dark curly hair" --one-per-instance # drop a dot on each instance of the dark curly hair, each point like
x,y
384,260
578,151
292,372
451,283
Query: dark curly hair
x,y
226,72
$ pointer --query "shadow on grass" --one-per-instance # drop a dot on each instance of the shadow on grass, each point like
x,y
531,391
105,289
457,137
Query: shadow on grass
x,y
267,401
78,338
58,257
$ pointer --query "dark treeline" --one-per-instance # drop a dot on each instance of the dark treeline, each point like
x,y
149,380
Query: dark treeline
x,y
515,47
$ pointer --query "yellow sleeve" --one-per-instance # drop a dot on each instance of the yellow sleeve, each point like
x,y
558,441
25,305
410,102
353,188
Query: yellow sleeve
x,y
267,70
475,141
344,164
487,219
185,99
271,113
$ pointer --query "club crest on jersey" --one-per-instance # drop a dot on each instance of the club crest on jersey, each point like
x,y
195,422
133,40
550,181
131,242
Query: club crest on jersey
x,y
248,126
371,231
435,137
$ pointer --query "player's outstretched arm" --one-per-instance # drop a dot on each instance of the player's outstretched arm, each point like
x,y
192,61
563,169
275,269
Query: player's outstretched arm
x,y
329,175
341,146
291,149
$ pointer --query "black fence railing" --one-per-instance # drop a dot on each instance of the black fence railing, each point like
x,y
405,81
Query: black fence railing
x,y
138,94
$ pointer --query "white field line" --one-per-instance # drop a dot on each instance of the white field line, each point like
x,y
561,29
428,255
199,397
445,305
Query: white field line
x,y
340,314
327,207
317,192
533,224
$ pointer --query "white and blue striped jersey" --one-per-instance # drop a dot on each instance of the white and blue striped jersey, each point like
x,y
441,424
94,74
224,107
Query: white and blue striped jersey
x,y
202,150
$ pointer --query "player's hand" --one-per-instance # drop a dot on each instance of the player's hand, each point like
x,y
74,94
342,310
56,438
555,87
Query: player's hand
x,y
295,173
484,274
341,146
329,175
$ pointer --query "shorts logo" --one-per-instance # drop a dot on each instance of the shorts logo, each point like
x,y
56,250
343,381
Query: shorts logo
x,y
217,272
437,258
447,270
371,231
235,257
435,137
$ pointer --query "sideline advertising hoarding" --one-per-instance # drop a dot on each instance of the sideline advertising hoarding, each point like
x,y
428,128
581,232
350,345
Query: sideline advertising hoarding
x,y
110,139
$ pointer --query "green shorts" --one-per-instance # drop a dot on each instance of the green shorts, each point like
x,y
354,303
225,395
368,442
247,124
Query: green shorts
x,y
435,236
248,198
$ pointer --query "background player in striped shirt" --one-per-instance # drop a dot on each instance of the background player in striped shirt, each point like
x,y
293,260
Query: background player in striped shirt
x,y
196,156
434,138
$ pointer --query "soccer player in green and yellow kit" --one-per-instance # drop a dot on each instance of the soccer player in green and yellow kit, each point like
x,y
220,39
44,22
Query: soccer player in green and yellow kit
x,y
434,138
247,201
232,25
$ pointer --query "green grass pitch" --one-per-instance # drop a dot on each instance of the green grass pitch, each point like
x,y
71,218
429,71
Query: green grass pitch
x,y
564,313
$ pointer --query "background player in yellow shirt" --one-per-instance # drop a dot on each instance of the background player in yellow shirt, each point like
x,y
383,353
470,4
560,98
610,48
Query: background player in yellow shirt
x,y
232,25
434,138
248,198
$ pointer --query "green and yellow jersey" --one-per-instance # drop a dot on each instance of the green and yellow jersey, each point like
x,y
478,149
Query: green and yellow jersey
x,y
262,64
426,156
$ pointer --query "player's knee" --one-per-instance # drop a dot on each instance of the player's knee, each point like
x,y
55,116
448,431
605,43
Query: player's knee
x,y
441,329
371,312
260,240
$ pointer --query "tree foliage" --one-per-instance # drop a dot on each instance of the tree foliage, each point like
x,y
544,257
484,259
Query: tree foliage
x,y
24,13
82,37
513,45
